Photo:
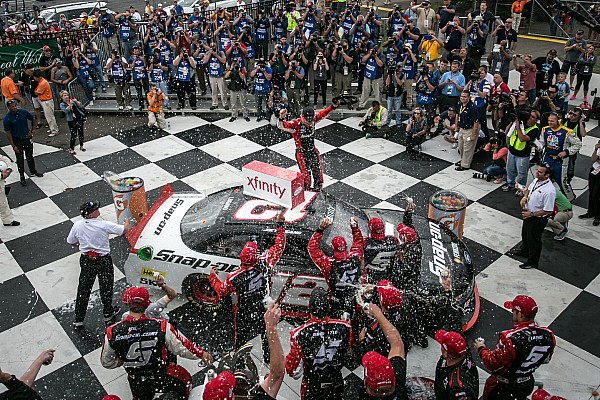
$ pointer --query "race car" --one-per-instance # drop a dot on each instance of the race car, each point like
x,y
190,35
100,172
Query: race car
x,y
184,235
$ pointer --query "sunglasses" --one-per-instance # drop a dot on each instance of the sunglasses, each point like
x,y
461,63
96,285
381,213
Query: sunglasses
x,y
417,113
552,91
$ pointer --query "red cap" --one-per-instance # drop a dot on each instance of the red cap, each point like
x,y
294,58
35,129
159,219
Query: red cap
x,y
340,249
523,304
136,295
377,228
407,234
220,387
453,342
111,397
541,394
379,374
389,296
46,48
249,254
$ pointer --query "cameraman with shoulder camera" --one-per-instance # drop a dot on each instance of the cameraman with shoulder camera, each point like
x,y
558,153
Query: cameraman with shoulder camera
x,y
373,60
394,87
520,136
479,90
237,90
186,82
548,102
426,88
343,65
374,123
262,75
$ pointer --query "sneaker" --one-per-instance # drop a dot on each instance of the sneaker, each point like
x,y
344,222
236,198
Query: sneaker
x,y
454,145
213,107
91,103
23,181
51,134
562,234
507,188
232,119
14,223
120,108
77,324
169,108
586,216
368,136
498,181
247,119
141,108
596,222
585,100
572,97
116,311
129,108
103,90
194,108
227,107
38,174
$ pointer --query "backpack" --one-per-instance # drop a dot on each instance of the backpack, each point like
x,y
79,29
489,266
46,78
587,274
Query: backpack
x,y
79,112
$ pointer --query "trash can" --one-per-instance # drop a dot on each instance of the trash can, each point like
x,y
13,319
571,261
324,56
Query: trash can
x,y
129,197
449,207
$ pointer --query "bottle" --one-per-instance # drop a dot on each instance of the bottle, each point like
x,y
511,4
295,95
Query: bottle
x,y
168,125
210,375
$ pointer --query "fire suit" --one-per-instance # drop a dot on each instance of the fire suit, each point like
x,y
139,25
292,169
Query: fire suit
x,y
379,257
556,141
342,276
518,353
406,268
457,382
251,284
307,155
321,346
375,339
142,347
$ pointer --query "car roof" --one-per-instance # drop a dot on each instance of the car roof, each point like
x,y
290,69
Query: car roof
x,y
74,6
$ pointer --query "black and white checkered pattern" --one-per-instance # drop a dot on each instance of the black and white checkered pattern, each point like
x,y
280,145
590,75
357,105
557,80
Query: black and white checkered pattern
x,y
39,270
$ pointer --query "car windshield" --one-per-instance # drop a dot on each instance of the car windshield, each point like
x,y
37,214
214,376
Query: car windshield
x,y
187,3
47,14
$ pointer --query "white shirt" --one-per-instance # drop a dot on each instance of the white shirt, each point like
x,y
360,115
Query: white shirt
x,y
595,165
92,235
541,196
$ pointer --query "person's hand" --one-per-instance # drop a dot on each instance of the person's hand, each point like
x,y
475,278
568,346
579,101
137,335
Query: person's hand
x,y
362,334
410,207
473,136
562,154
526,214
336,103
160,280
523,202
281,216
477,344
373,310
272,316
214,271
353,221
46,356
597,146
127,223
325,223
4,376
446,281
207,358
30,134
282,113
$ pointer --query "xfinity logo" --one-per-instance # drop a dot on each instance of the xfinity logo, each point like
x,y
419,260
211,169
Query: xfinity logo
x,y
256,184
166,216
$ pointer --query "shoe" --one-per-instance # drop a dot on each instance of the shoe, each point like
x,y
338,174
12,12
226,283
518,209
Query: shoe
x,y
51,134
596,222
116,311
359,108
498,181
507,188
386,136
518,253
585,99
203,93
561,235
91,103
232,119
457,164
213,107
141,108
103,90
38,174
368,136
461,168
247,119
14,223
23,181
180,107
169,108
258,119
572,97
82,148
227,107
194,108
120,108
129,108
454,145
527,266
77,324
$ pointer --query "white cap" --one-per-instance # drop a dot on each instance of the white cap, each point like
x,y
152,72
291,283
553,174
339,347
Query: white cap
x,y
159,5
4,166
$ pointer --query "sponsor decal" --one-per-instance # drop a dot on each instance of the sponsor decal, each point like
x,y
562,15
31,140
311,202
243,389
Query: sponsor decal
x,y
439,251
193,262
450,221
257,184
298,190
467,257
228,203
149,272
167,215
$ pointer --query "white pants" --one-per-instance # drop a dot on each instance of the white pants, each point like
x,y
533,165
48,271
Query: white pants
x,y
559,223
217,83
375,84
5,213
154,119
48,108
516,21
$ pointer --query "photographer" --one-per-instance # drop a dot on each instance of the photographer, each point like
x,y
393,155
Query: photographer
x,y
409,68
127,32
374,22
321,68
519,139
215,60
394,87
426,87
107,25
185,79
166,48
279,24
198,51
247,39
445,14
425,16
374,122
262,75
237,90
344,63
158,75
277,101
72,109
156,116
497,168
411,35
447,120
117,65
235,51
373,77
392,52
528,73
499,60
479,90
506,33
466,64
348,19
137,64
310,18
547,69
454,33
279,62
467,121
262,28
548,102
575,122
430,46
82,65
359,30
416,130
294,77
362,49
450,86
396,20
90,50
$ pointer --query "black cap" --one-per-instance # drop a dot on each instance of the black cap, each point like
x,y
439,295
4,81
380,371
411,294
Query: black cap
x,y
318,305
308,113
451,109
88,207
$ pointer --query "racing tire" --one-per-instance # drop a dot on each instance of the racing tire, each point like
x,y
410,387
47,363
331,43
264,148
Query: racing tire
x,y
197,289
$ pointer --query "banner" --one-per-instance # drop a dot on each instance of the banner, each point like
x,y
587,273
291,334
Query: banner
x,y
28,53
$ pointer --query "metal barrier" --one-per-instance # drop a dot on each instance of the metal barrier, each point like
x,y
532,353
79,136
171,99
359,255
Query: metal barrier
x,y
76,90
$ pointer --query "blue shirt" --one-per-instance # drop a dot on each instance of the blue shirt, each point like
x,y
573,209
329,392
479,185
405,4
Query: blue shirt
x,y
449,89
17,124
261,83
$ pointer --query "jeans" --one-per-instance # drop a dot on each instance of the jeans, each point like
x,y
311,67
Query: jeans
x,y
88,87
516,167
557,165
98,70
393,106
494,171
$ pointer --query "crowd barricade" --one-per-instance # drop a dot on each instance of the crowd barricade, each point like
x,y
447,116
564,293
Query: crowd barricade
x,y
76,90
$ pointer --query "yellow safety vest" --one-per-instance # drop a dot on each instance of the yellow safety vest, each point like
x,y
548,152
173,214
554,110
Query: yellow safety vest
x,y
291,22
378,117
515,142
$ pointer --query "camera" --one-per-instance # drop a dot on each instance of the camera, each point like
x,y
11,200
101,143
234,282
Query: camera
x,y
480,175
424,70
523,114
451,23
474,76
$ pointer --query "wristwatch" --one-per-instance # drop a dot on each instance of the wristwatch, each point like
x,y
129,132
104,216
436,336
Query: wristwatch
x,y
532,214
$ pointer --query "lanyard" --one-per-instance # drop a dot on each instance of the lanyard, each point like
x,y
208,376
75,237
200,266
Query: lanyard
x,y
537,186
462,109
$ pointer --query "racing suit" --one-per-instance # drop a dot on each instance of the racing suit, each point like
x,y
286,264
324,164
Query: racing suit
x,y
518,353
457,382
321,346
375,339
406,268
556,141
142,347
251,284
379,257
307,155
342,276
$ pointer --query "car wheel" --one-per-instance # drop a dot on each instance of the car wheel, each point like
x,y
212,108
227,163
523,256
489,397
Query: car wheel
x,y
200,293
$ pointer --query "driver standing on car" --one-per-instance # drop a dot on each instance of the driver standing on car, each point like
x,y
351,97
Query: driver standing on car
x,y
251,284
380,250
342,272
307,155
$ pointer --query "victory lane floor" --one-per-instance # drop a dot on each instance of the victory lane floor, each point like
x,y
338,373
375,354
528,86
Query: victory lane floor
x,y
40,271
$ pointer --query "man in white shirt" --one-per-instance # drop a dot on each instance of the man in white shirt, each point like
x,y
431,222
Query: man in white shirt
x,y
91,236
6,214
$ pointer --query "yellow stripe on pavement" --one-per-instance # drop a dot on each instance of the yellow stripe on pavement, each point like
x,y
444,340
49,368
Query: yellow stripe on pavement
x,y
543,39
